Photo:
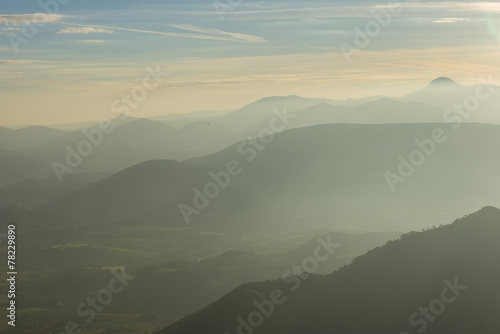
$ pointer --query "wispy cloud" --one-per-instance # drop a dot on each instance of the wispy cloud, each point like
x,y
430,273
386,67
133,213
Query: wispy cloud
x,y
451,20
217,32
85,30
20,19
9,29
14,62
90,41
219,35
352,11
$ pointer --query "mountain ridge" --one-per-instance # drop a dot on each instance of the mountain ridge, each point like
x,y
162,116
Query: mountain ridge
x,y
402,276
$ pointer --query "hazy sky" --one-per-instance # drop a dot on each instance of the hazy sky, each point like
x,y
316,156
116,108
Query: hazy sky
x,y
91,52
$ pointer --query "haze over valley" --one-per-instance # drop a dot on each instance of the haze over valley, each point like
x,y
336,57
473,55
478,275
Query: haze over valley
x,y
236,167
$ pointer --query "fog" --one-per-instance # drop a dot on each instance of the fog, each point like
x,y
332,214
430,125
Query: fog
x,y
309,211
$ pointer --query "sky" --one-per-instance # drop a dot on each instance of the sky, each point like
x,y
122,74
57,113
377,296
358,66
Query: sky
x,y
70,62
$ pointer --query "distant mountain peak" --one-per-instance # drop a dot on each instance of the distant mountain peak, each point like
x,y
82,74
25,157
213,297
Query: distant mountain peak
x,y
145,122
443,81
490,211
282,97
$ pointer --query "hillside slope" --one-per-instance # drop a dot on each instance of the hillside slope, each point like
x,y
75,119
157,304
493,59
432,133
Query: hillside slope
x,y
325,172
440,281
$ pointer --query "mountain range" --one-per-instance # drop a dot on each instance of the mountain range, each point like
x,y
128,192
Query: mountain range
x,y
326,156
320,173
185,136
299,192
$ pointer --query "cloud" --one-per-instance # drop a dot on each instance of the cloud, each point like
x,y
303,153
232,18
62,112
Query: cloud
x,y
91,41
10,29
14,62
450,20
220,35
6,62
85,30
217,32
351,10
21,19
327,69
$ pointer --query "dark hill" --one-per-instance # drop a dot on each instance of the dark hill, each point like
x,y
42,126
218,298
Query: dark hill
x,y
322,173
147,189
381,291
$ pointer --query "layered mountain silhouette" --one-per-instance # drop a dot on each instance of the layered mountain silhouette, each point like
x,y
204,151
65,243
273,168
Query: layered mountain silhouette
x,y
149,187
318,166
134,140
27,137
322,172
442,280
194,205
